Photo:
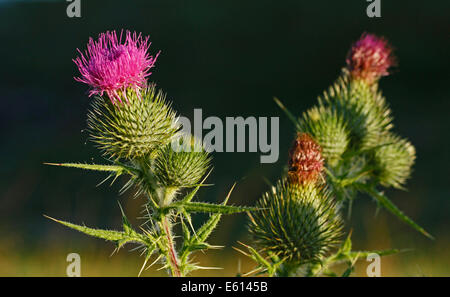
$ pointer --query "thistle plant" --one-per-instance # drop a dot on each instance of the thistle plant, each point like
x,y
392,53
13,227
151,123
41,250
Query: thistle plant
x,y
345,146
299,221
136,129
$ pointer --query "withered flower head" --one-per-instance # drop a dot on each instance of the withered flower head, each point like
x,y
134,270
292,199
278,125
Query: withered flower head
x,y
305,160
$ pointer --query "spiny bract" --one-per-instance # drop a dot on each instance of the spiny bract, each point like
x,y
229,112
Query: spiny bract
x,y
184,166
134,128
299,223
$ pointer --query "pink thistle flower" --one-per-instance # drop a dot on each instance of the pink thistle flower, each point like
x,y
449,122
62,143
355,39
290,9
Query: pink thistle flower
x,y
305,160
370,58
111,66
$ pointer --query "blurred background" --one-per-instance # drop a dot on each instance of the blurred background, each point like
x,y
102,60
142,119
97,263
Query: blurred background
x,y
229,58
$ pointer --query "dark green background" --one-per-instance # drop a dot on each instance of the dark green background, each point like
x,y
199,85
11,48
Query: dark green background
x,y
229,58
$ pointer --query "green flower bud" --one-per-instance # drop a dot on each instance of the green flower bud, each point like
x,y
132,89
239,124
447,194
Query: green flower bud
x,y
184,166
363,109
134,128
328,129
393,160
298,222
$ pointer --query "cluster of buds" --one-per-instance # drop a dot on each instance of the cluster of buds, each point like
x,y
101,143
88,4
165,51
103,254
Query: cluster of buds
x,y
349,133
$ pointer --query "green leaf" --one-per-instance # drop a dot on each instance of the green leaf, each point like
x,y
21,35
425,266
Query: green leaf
x,y
126,224
148,254
386,203
344,254
255,256
347,245
187,205
258,258
118,169
191,195
351,265
329,273
186,232
348,271
215,208
204,231
381,253
356,255
119,237
198,246
286,111
207,228
96,167
264,265
197,241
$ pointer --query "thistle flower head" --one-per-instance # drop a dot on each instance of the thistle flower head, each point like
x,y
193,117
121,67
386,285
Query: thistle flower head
x,y
370,58
133,129
299,223
110,65
305,160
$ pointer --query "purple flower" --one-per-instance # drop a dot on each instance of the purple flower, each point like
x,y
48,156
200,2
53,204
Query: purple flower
x,y
370,58
112,66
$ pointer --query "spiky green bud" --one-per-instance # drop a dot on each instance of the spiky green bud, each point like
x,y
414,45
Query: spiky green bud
x,y
393,160
363,109
184,166
134,128
328,129
298,222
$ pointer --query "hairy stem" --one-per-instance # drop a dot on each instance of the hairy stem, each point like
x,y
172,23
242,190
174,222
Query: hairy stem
x,y
172,254
164,197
